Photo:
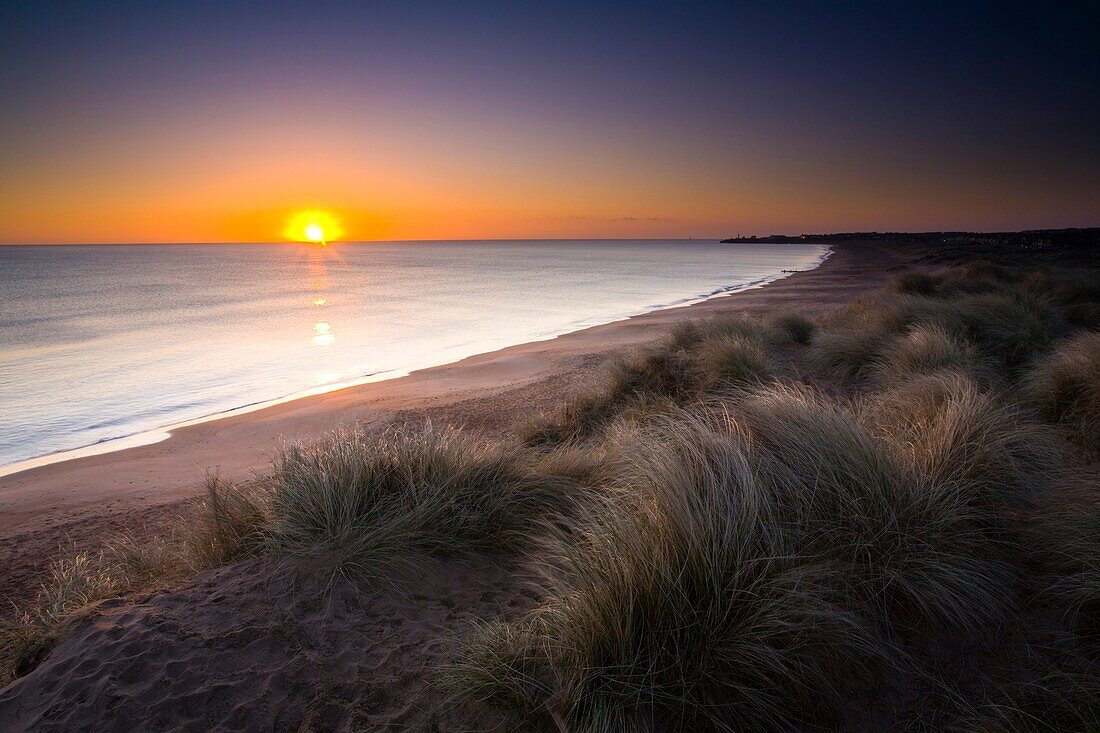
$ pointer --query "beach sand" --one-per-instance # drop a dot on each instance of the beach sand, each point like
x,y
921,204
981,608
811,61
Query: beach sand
x,y
82,502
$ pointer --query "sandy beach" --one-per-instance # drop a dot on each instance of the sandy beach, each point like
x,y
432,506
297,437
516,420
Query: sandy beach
x,y
81,502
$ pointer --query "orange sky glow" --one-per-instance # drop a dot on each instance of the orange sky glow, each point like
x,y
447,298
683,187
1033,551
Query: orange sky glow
x,y
142,123
215,183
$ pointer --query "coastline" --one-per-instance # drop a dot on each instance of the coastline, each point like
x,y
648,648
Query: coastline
x,y
85,501
165,431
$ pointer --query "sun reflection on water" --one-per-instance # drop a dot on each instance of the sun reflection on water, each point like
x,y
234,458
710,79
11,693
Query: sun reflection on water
x,y
318,267
322,333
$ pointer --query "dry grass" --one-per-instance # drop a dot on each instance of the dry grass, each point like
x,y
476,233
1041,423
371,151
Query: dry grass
x,y
72,584
233,523
946,428
849,354
680,604
1065,386
915,547
794,327
697,357
376,501
924,350
746,557
394,498
978,320
1011,329
1065,698
915,283
1066,541
78,580
731,362
1075,291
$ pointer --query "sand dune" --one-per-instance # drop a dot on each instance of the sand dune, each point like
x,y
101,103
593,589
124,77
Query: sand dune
x,y
267,647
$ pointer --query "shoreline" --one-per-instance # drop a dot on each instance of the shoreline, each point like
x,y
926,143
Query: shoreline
x,y
165,432
86,500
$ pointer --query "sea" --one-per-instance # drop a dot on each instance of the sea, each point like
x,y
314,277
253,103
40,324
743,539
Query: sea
x,y
105,346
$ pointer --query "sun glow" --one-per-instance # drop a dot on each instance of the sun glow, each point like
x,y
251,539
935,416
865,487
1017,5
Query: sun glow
x,y
318,227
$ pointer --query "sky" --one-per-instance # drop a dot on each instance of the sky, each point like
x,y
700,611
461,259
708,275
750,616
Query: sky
x,y
211,122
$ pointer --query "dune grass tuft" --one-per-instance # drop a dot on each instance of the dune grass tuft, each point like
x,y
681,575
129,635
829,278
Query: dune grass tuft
x,y
233,523
1006,324
1066,541
77,580
915,548
946,428
72,583
795,328
923,350
1064,699
849,353
915,283
681,604
696,357
1076,293
1065,386
392,498
1010,328
730,362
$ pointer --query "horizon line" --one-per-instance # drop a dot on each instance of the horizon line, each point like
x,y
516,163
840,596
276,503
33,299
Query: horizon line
x,y
561,239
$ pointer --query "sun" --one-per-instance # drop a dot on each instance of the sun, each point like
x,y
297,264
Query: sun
x,y
314,226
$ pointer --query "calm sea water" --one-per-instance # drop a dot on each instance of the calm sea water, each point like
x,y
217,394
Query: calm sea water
x,y
100,342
